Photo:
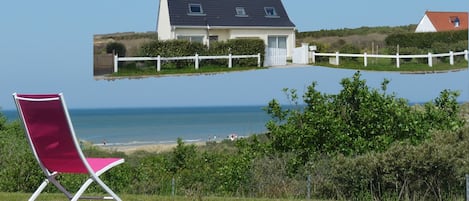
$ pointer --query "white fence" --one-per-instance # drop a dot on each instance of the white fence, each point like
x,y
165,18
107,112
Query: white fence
x,y
196,59
335,57
300,54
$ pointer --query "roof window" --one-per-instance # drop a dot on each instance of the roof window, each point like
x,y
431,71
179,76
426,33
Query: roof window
x,y
195,9
455,21
241,12
270,12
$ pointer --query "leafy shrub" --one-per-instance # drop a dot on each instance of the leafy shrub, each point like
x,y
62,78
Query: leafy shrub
x,y
355,121
116,48
350,49
179,48
425,40
15,153
432,170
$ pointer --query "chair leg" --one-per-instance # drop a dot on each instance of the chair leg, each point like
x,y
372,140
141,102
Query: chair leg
x,y
82,189
60,187
107,189
39,190
99,182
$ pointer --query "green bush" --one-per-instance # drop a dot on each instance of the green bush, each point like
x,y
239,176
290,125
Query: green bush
x,y
179,48
357,31
433,170
116,48
350,49
246,47
425,40
355,121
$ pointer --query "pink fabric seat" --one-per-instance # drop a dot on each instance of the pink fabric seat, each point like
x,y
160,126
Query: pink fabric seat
x,y
52,138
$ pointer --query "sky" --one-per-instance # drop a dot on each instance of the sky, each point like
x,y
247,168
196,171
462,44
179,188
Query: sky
x,y
46,47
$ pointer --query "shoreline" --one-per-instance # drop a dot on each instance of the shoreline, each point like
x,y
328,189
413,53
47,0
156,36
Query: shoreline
x,y
151,148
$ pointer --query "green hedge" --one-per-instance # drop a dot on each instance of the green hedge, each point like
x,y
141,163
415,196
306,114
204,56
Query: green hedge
x,y
426,40
115,47
179,48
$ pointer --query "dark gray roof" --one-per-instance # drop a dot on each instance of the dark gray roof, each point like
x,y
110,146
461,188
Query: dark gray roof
x,y
223,13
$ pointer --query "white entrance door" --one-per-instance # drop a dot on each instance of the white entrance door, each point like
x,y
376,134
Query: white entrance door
x,y
276,52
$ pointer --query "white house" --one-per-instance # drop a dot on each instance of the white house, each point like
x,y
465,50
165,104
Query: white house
x,y
213,20
442,21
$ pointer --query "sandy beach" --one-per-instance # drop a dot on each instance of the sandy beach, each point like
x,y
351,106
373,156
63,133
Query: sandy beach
x,y
152,148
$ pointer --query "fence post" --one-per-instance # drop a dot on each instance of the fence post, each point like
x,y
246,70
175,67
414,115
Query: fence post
x,y
365,59
466,55
336,58
158,64
451,57
230,62
467,187
314,56
196,61
173,187
116,63
430,60
258,59
397,61
308,185
305,53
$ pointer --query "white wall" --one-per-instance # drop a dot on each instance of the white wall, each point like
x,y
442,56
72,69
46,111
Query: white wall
x,y
223,34
164,26
425,25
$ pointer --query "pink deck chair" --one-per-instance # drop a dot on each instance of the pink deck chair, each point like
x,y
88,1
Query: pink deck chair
x,y
52,139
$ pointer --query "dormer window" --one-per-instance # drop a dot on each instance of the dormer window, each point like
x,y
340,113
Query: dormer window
x,y
455,21
270,12
195,9
241,12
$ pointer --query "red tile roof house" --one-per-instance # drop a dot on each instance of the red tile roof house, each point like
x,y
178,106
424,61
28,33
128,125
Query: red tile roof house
x,y
442,21
213,20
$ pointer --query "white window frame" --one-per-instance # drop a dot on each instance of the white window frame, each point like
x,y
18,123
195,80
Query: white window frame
x,y
241,12
277,43
194,5
190,38
456,21
270,12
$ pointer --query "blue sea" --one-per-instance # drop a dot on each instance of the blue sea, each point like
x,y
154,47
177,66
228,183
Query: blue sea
x,y
139,126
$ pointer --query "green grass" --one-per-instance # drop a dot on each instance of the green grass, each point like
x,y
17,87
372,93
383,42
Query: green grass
x,y
374,64
383,64
127,197
132,70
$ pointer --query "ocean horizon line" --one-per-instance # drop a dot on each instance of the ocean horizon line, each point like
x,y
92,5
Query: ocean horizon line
x,y
151,107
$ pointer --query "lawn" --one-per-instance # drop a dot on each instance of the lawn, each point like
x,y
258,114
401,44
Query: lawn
x,y
383,64
375,64
132,70
127,197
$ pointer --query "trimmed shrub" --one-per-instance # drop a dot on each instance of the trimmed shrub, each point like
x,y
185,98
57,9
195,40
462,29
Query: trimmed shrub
x,y
116,48
179,48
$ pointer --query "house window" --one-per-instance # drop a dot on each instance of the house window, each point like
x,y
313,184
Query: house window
x,y
270,12
277,42
196,39
213,38
195,8
241,12
455,21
